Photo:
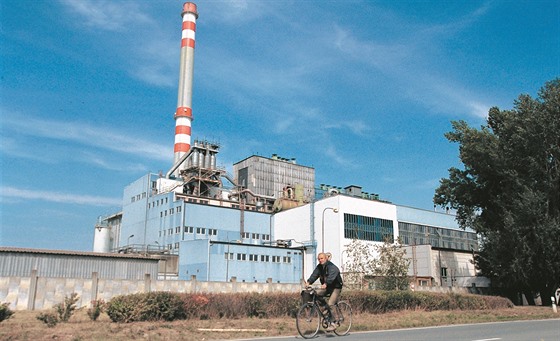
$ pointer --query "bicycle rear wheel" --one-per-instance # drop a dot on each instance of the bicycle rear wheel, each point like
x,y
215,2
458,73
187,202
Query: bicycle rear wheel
x,y
344,318
307,321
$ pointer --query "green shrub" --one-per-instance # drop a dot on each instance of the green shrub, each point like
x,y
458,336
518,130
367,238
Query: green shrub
x,y
162,306
49,318
378,301
5,311
153,306
171,306
125,308
66,308
97,307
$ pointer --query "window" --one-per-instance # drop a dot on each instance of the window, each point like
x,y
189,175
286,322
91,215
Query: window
x,y
253,258
265,258
241,256
212,232
255,236
170,231
443,272
178,229
189,229
245,235
287,259
169,246
275,259
178,209
266,237
228,256
367,228
200,230
177,245
171,211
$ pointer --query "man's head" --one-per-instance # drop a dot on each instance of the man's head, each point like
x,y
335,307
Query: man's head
x,y
322,258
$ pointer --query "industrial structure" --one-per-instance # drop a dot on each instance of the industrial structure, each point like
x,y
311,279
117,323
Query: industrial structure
x,y
268,220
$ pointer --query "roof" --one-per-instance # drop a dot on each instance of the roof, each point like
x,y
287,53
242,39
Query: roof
x,y
74,253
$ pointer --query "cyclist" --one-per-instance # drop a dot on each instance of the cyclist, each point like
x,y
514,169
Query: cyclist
x,y
331,283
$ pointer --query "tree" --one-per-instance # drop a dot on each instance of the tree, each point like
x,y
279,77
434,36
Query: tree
x,y
386,261
360,262
392,266
509,192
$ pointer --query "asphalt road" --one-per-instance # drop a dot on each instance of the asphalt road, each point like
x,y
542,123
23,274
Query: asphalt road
x,y
534,330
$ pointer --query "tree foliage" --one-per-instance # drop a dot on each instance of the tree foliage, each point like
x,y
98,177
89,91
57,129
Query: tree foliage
x,y
386,261
392,266
509,191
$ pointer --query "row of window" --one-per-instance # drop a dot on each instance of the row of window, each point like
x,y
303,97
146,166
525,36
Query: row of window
x,y
255,258
138,197
415,234
211,232
172,211
368,228
158,202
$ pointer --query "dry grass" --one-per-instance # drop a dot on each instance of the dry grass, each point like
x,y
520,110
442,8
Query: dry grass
x,y
24,325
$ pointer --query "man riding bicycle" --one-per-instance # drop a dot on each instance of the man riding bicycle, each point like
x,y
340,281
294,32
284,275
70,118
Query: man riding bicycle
x,y
331,284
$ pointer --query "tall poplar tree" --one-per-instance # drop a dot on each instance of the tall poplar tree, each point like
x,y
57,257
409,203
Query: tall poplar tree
x,y
509,192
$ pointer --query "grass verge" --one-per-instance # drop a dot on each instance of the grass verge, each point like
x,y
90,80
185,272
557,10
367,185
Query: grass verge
x,y
24,326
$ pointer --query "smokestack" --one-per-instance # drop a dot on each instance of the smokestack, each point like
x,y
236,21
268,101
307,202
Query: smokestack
x,y
183,115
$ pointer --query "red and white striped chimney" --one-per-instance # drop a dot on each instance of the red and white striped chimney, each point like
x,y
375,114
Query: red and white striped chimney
x,y
183,115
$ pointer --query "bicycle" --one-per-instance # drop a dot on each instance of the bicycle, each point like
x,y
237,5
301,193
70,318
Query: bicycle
x,y
310,316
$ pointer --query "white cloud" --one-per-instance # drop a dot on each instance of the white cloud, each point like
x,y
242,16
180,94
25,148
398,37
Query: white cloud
x,y
107,15
66,198
81,133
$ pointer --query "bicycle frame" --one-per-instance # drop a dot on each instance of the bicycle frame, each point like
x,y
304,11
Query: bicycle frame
x,y
311,311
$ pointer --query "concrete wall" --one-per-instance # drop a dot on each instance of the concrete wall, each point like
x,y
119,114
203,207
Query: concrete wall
x,y
36,293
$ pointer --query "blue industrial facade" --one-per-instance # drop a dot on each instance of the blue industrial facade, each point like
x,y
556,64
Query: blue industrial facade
x,y
215,240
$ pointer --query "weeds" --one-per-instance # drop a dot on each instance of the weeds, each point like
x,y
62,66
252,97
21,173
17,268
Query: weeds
x,y
97,307
5,311
67,308
49,318
62,311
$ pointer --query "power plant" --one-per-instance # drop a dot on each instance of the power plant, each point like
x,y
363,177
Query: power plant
x,y
265,223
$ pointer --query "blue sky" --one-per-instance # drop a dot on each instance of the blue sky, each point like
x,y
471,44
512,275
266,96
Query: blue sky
x,y
363,91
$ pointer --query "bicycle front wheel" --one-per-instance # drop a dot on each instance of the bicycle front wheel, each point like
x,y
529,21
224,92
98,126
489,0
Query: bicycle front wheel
x,y
344,318
307,321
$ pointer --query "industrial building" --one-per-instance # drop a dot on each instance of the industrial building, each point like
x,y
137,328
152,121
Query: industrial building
x,y
268,221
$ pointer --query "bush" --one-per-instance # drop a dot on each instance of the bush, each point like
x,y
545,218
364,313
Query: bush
x,y
97,307
162,306
49,318
171,306
378,301
67,308
125,308
5,311
153,306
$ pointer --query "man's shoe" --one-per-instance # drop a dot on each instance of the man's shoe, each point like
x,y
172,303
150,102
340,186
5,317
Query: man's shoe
x,y
331,327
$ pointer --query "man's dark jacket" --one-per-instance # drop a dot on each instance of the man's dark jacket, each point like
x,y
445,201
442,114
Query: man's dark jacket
x,y
329,274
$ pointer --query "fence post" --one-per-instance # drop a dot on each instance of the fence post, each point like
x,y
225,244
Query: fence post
x,y
32,290
147,283
94,283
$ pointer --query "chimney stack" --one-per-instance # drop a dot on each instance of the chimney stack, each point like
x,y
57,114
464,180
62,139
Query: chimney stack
x,y
183,115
